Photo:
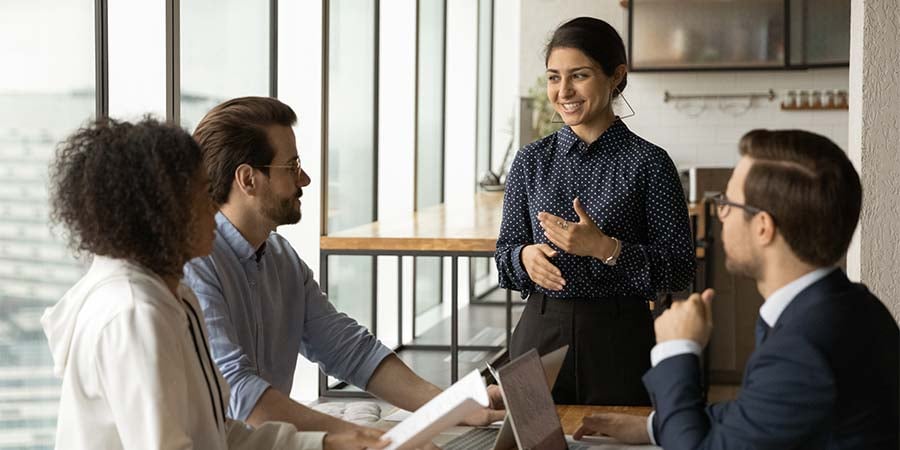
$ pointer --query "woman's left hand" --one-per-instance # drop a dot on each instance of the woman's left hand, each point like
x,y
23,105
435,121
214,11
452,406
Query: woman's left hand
x,y
582,238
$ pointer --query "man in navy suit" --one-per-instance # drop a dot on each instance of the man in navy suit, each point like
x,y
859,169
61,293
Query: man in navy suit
x,y
825,370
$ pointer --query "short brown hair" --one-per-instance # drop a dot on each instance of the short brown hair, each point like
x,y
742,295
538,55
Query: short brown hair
x,y
809,186
234,133
125,191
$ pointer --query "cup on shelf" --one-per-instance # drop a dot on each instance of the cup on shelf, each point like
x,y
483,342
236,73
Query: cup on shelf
x,y
790,102
816,100
840,100
804,100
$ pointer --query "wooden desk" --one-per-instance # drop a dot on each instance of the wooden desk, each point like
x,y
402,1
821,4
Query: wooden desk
x,y
570,415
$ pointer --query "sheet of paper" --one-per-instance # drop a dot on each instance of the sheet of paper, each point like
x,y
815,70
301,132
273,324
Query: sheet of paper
x,y
444,411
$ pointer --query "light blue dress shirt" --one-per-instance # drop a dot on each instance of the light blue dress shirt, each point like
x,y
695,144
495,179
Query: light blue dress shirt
x,y
262,309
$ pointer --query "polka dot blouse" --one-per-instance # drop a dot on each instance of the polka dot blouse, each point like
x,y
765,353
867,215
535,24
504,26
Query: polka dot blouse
x,y
630,189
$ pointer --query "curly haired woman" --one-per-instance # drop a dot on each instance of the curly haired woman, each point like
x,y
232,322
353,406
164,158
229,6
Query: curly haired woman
x,y
129,338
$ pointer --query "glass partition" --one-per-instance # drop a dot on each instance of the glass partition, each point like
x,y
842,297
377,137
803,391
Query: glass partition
x,y
46,94
224,53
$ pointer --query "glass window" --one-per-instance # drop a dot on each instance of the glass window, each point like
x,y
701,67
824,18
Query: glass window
x,y
137,59
429,149
49,92
217,62
351,148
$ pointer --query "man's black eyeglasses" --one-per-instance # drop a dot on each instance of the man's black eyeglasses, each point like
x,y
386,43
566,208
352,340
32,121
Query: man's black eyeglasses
x,y
723,206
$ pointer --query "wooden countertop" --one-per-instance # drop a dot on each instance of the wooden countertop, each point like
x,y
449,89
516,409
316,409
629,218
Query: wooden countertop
x,y
437,228
469,228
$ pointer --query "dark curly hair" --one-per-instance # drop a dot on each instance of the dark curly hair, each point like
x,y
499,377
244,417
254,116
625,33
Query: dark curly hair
x,y
124,190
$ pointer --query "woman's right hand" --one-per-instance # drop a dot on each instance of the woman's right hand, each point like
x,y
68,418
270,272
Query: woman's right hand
x,y
356,439
535,258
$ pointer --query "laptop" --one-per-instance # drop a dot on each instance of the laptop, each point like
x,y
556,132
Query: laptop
x,y
531,419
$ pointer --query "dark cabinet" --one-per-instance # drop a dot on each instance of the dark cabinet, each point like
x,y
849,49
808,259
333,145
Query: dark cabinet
x,y
738,34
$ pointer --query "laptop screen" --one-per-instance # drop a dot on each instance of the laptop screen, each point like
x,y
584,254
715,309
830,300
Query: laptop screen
x,y
529,404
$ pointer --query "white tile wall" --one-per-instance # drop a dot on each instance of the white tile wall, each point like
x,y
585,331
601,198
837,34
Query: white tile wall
x,y
707,132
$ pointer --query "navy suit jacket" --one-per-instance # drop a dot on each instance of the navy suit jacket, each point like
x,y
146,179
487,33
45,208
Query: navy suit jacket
x,y
826,377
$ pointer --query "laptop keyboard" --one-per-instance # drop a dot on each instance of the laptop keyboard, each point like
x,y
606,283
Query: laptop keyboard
x,y
474,439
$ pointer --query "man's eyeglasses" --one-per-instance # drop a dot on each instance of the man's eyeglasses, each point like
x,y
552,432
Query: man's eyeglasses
x,y
723,206
293,167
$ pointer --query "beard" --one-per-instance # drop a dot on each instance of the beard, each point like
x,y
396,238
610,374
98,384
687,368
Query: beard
x,y
281,210
749,267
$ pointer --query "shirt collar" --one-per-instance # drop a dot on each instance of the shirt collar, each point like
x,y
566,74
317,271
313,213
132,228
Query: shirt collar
x,y
772,308
568,140
236,240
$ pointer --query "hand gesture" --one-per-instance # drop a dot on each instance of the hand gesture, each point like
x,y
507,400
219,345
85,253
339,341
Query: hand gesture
x,y
494,411
535,259
582,238
626,428
687,319
356,439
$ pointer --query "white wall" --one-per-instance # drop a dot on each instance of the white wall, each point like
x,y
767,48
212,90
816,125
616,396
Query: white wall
x,y
505,97
711,137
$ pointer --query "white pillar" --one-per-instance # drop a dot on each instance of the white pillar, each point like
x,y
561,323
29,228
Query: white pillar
x,y
874,145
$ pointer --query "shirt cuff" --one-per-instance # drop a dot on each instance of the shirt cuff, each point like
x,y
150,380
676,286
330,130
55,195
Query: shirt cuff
x,y
245,395
634,266
650,428
363,373
675,347
522,274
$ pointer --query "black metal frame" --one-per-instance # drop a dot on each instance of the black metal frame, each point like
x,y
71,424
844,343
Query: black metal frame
x,y
173,61
273,48
785,65
454,347
101,57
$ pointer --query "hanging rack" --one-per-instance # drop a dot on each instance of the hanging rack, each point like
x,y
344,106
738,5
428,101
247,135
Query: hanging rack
x,y
751,95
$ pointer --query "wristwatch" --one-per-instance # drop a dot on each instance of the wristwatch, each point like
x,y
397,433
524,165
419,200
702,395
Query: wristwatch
x,y
611,260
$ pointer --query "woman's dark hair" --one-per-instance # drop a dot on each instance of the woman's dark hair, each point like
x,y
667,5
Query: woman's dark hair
x,y
125,190
234,133
809,186
596,39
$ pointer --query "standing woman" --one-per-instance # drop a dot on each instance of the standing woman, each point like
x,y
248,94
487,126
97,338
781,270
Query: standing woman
x,y
595,224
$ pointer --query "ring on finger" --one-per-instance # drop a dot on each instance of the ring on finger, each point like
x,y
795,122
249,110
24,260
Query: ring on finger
x,y
564,225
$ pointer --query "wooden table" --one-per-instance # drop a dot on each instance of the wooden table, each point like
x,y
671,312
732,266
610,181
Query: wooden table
x,y
442,231
570,415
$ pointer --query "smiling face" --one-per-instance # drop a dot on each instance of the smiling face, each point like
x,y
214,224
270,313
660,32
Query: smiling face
x,y
578,89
